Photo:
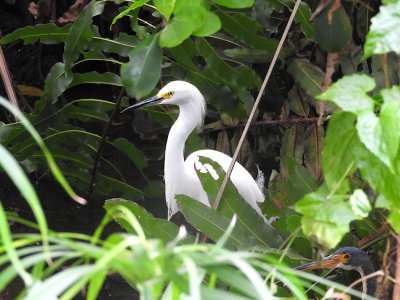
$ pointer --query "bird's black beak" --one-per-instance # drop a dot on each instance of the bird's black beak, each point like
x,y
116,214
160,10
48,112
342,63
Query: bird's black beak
x,y
148,102
329,262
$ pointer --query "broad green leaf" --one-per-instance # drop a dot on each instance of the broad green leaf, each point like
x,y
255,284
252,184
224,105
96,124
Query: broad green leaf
x,y
140,75
211,222
302,16
131,151
120,45
175,33
340,139
292,147
384,35
239,76
308,76
333,29
183,54
235,3
313,145
326,217
360,203
245,29
133,6
46,33
133,207
379,176
249,55
393,207
211,25
165,7
56,83
80,35
296,104
165,231
350,93
95,78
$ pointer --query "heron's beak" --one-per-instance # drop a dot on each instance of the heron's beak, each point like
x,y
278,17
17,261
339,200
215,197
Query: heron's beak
x,y
329,262
148,102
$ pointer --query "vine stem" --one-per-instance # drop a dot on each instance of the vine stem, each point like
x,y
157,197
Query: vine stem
x,y
253,111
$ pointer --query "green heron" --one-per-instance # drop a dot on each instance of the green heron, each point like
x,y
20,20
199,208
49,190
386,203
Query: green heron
x,y
347,258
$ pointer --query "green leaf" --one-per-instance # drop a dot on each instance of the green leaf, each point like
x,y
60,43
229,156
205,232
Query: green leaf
x,y
378,174
302,16
135,155
340,139
165,7
120,45
133,6
326,217
393,206
235,3
175,33
140,213
211,25
46,33
350,93
308,76
140,75
54,286
249,55
383,35
165,231
360,203
19,178
296,104
240,76
292,147
95,78
80,35
211,222
56,83
245,29
333,29
313,145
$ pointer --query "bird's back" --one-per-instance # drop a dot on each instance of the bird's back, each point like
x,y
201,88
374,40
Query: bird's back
x,y
240,177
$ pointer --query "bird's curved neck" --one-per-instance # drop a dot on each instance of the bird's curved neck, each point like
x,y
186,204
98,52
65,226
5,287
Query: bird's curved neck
x,y
178,134
369,285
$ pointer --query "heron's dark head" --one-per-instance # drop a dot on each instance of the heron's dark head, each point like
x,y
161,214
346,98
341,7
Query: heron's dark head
x,y
348,258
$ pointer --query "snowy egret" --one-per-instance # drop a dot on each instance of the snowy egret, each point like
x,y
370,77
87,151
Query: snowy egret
x,y
348,258
179,174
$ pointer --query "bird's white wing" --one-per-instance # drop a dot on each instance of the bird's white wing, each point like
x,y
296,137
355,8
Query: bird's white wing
x,y
240,177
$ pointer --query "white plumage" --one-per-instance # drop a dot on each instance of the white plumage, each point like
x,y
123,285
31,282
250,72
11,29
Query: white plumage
x,y
179,174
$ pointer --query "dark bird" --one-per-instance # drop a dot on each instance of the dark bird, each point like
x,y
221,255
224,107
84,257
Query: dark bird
x,y
348,258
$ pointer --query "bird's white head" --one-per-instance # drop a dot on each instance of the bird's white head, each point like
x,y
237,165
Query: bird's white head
x,y
180,93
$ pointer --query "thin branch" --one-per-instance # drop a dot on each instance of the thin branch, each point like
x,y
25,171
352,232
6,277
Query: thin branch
x,y
284,122
253,111
396,288
7,79
102,142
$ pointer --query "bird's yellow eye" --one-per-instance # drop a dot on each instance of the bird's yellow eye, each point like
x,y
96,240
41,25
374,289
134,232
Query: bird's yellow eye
x,y
171,93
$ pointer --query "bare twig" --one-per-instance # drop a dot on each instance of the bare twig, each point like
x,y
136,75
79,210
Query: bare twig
x,y
102,142
7,80
396,288
284,122
253,111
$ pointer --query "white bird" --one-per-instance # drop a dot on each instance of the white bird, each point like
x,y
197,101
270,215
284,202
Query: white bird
x,y
180,175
